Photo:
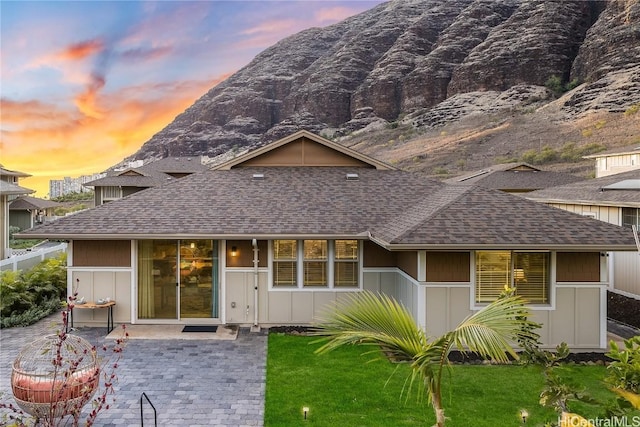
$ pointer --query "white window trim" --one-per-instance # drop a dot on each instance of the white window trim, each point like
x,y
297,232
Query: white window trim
x,y
330,269
473,305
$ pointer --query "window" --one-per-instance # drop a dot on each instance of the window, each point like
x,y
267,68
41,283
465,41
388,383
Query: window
x,y
284,262
111,193
346,263
317,264
630,216
528,272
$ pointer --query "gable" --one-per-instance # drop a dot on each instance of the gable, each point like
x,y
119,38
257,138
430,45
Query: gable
x,y
303,152
130,172
303,149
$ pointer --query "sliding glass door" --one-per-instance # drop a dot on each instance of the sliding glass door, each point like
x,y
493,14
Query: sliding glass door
x,y
178,279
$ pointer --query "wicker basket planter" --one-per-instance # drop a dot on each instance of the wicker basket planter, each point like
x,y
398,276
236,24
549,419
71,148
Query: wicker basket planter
x,y
44,391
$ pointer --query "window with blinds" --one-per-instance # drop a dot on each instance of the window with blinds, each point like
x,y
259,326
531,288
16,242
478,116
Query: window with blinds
x,y
285,256
315,263
346,263
528,272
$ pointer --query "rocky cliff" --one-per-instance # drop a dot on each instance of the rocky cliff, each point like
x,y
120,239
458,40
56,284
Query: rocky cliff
x,y
423,64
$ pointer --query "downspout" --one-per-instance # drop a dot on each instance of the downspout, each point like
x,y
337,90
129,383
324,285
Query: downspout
x,y
254,242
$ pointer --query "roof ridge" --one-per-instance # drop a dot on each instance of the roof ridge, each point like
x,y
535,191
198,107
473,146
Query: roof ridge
x,y
423,210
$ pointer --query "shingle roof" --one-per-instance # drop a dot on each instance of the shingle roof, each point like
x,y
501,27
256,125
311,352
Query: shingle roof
x,y
592,192
151,174
7,188
9,172
28,202
394,207
514,177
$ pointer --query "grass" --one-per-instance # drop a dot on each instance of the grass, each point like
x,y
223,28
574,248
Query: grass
x,y
346,388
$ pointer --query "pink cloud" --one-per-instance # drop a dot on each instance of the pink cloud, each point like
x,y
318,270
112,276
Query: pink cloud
x,y
334,14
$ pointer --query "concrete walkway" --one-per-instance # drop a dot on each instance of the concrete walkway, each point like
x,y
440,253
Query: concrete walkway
x,y
194,382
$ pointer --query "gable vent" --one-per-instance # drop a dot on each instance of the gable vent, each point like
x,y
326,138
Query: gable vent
x,y
258,176
352,177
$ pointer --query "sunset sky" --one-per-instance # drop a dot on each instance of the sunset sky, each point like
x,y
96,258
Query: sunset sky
x,y
84,84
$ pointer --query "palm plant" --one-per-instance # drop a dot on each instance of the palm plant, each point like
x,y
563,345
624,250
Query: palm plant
x,y
369,318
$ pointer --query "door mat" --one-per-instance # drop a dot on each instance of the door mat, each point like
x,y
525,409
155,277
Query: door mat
x,y
200,328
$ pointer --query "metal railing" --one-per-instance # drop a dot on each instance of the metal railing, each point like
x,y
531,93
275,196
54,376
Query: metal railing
x,y
155,413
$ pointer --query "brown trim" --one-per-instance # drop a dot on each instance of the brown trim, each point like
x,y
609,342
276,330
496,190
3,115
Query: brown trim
x,y
448,266
578,266
102,253
244,253
376,256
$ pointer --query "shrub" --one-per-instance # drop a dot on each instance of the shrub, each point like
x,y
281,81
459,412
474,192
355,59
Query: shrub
x,y
632,110
26,297
554,84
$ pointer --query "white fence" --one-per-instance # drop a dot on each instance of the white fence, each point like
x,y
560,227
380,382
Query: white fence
x,y
24,259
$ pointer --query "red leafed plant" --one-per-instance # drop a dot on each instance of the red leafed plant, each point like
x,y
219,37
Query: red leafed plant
x,y
74,376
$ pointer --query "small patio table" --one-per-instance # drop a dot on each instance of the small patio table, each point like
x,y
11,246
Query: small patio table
x,y
90,305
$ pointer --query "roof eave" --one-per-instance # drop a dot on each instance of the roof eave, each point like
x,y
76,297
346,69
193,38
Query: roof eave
x,y
533,247
171,236
613,204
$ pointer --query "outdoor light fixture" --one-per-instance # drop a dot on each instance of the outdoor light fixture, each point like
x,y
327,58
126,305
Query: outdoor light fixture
x,y
193,245
234,251
524,414
305,411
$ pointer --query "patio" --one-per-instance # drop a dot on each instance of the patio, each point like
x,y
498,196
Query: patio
x,y
194,382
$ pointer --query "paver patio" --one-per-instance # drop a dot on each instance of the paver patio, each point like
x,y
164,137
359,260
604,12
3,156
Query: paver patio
x,y
190,382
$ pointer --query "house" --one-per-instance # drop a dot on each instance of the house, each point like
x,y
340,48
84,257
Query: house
x,y
616,161
9,189
514,178
273,236
614,199
121,183
26,211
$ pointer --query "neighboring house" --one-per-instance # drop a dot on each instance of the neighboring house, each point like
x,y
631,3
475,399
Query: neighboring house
x,y
614,199
9,189
514,178
273,236
118,184
616,161
26,211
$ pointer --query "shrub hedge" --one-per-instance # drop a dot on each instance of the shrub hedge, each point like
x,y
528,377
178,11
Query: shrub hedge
x,y
28,296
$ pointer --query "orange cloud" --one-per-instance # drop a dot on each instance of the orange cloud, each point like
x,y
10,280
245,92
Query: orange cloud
x,y
77,145
81,50
86,101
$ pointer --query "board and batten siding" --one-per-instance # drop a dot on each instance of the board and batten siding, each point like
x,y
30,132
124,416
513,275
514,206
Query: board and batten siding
x,y
98,269
625,266
575,317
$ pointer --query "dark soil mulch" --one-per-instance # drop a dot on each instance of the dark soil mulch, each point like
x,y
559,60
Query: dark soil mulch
x,y
623,309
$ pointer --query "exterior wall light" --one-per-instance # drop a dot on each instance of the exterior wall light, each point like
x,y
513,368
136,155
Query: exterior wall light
x,y
524,414
305,411
234,251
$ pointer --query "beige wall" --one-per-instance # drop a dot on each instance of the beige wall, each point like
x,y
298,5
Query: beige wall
x,y
446,307
625,266
626,273
609,214
94,284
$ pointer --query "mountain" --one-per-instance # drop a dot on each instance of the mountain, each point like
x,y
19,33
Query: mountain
x,y
433,83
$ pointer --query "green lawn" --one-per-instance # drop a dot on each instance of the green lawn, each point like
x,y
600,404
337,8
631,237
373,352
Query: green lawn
x,y
343,388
